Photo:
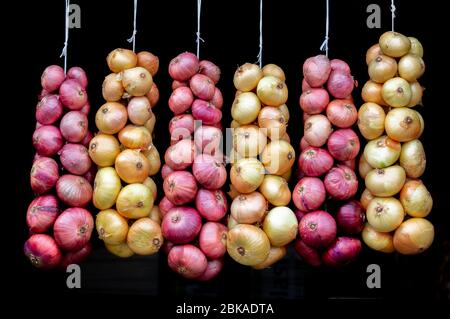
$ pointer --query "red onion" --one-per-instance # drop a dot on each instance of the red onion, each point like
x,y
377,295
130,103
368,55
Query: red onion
x,y
86,109
343,144
213,268
49,109
210,70
177,84
299,214
342,113
212,205
181,225
183,66
74,190
308,254
315,161
317,129
202,87
76,257
209,171
305,85
208,139
165,205
74,126
180,187
47,140
181,127
181,100
87,139
188,261
180,155
165,171
75,159
314,101
339,65
309,194
341,182
340,84
304,144
167,246
218,125
316,70
90,175
213,240
343,251
78,74
317,229
42,213
43,93
217,99
350,217
42,251
52,78
72,94
350,163
206,112
73,228
44,175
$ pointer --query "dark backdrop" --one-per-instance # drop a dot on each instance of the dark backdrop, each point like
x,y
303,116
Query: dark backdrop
x,y
292,32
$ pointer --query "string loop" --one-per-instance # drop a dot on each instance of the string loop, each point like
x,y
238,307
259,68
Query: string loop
x,y
199,39
324,46
133,36
393,9
259,56
66,40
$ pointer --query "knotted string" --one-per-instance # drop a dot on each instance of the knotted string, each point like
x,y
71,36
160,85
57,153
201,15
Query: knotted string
x,y
133,36
66,41
324,46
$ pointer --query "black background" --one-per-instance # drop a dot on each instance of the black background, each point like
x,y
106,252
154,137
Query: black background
x,y
292,33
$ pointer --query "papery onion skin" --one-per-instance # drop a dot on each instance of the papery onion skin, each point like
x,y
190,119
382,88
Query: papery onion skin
x,y
376,240
121,59
111,117
44,175
74,126
73,229
340,65
272,122
135,137
371,118
211,204
371,92
52,78
247,174
149,61
416,199
343,144
49,109
314,100
403,124
272,91
317,129
382,152
188,261
72,94
202,86
350,218
414,236
213,269
210,70
248,244
165,205
416,47
209,172
343,251
249,208
74,190
276,190
315,161
180,155
75,159
364,167
213,240
317,229
309,194
278,157
183,66
139,110
342,113
249,140
120,250
275,255
42,213
137,81
156,215
134,201
416,94
132,166
382,68
413,159
340,84
206,112
112,89
280,226
181,100
274,70
385,214
47,140
245,108
153,158
181,127
107,186
411,67
103,149
208,139
394,44
341,182
366,198
144,237
385,182
396,92
42,251
76,257
247,76
316,70
111,227
308,254
180,187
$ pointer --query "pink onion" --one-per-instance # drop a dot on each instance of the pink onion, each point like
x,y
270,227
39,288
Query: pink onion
x,y
167,246
49,109
181,127
74,190
350,217
314,101
42,213
180,187
309,194
52,78
308,254
78,74
42,251
305,85
213,240
165,171
217,99
183,66
316,70
47,140
75,159
317,229
304,144
76,257
317,129
87,139
44,175
72,94
299,214
90,175
343,251
213,268
211,204
73,228
181,100
180,155
165,205
209,171
208,139
342,113
340,84
341,182
343,144
74,126
210,70
339,65
181,225
177,84
206,112
350,163
188,261
315,161
43,93
202,87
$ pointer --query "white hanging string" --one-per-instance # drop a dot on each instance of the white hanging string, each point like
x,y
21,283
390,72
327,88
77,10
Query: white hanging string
x,y
199,12
133,36
324,46
259,61
393,13
66,41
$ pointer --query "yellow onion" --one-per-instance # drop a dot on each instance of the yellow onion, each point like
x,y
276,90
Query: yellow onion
x,y
403,124
145,237
248,244
103,149
231,222
385,182
278,157
414,236
248,208
376,240
112,89
371,119
416,199
396,92
245,108
121,59
150,124
364,167
247,76
135,137
150,183
280,226
120,250
372,53
276,190
286,138
394,44
154,160
366,197
137,81
139,110
134,201
234,124
111,117
156,215
247,174
422,123
413,159
274,70
106,188
233,193
287,175
271,120
149,61
275,255
132,166
249,140
371,92
416,47
382,68
272,91
416,94
385,214
111,227
411,67
382,152
285,111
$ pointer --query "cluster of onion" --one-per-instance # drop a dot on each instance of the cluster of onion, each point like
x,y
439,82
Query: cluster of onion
x,y
128,221
194,171
394,157
328,115
260,224
60,141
